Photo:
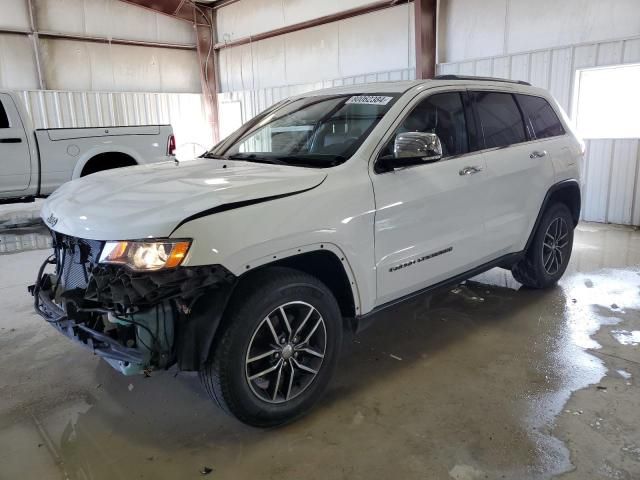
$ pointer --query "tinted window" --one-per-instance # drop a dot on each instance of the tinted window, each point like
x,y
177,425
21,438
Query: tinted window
x,y
442,114
500,119
4,121
541,117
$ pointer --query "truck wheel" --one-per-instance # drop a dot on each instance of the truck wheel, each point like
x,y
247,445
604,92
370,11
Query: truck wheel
x,y
278,349
547,257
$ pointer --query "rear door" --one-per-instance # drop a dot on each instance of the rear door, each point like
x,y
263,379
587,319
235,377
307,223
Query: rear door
x,y
15,162
519,170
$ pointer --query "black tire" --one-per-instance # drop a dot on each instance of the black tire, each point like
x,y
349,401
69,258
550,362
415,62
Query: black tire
x,y
226,376
537,269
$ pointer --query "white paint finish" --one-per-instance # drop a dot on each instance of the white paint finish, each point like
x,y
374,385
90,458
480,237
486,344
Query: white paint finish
x,y
555,69
15,14
45,159
471,29
623,178
76,65
111,19
184,111
17,62
340,210
549,23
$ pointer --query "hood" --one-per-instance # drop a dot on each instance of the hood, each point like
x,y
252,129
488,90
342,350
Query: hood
x,y
152,200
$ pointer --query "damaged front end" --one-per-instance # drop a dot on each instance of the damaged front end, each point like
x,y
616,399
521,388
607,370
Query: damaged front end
x,y
136,321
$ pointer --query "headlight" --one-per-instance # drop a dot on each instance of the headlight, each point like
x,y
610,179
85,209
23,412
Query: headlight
x,y
146,255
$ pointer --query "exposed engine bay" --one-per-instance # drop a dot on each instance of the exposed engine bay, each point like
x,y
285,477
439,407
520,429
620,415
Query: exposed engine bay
x,y
136,321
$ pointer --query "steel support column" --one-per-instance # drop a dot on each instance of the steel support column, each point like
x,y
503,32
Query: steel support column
x,y
426,34
205,25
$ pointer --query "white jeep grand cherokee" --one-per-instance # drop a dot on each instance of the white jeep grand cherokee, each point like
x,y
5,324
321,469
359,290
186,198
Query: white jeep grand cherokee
x,y
250,263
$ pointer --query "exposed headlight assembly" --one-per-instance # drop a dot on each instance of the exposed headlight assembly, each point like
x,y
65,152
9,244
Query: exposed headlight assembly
x,y
146,255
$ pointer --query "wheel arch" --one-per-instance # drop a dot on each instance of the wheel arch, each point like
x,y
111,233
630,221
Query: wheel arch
x,y
100,154
324,261
567,192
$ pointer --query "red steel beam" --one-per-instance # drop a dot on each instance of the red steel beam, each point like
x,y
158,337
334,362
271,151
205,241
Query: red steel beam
x,y
334,17
426,30
182,9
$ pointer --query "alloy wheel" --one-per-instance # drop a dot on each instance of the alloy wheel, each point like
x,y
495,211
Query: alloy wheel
x,y
285,352
555,241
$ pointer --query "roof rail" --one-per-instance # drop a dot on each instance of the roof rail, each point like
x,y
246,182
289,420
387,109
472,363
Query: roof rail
x,y
481,79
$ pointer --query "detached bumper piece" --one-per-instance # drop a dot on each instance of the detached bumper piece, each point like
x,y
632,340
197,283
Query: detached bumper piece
x,y
135,321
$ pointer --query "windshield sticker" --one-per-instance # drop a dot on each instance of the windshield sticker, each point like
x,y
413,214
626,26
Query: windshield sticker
x,y
369,100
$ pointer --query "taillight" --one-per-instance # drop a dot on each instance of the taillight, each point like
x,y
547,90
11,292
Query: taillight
x,y
171,145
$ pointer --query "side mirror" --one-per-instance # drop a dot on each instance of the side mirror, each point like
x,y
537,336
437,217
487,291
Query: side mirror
x,y
411,148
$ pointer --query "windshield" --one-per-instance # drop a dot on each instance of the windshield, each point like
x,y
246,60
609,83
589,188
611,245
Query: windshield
x,y
320,131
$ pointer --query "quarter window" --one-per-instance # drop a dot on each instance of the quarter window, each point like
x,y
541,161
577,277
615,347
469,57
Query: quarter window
x,y
541,118
4,121
500,119
442,114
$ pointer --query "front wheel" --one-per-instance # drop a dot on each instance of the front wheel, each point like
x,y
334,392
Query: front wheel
x,y
547,257
278,349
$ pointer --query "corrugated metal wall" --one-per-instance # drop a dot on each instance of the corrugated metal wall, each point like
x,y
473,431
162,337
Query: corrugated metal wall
x,y
611,177
62,109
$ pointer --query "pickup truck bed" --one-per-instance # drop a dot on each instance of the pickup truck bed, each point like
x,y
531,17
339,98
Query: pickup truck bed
x,y
36,162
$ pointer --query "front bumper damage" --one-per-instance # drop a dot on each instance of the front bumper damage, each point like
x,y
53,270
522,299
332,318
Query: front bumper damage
x,y
135,321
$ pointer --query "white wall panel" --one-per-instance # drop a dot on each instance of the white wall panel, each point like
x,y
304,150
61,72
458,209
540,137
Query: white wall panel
x,y
379,41
470,29
611,190
249,17
77,65
15,14
111,18
184,111
17,62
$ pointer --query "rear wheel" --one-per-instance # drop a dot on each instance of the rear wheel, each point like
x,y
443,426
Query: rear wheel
x,y
278,349
548,255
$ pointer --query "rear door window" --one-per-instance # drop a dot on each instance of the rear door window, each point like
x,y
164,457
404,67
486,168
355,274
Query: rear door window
x,y
542,120
500,120
4,120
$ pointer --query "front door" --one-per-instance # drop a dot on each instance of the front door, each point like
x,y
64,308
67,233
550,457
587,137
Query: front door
x,y
15,162
429,217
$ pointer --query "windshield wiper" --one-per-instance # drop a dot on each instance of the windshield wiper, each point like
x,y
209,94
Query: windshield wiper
x,y
252,157
213,155
313,160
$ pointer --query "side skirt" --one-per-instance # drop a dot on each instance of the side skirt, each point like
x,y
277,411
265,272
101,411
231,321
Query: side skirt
x,y
362,322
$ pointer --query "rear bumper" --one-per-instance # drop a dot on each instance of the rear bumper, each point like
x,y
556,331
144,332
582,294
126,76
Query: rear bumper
x,y
99,343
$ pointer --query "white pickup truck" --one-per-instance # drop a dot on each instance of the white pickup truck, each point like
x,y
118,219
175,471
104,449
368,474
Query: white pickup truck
x,y
36,162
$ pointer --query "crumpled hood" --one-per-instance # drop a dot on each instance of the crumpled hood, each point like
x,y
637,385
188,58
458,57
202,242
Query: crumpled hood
x,y
151,200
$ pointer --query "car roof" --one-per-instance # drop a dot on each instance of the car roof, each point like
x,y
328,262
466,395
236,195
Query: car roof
x,y
405,85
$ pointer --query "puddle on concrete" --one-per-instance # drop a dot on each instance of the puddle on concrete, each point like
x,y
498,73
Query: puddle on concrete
x,y
627,338
470,384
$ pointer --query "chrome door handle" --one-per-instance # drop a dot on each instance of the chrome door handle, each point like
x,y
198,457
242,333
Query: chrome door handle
x,y
538,154
470,170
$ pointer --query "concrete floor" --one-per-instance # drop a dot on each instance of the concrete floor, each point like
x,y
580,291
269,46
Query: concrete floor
x,y
483,381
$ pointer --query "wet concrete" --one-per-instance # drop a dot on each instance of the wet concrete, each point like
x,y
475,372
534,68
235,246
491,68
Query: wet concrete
x,y
487,380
